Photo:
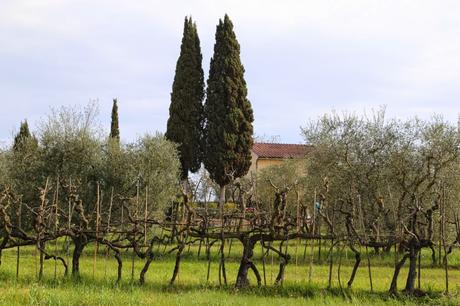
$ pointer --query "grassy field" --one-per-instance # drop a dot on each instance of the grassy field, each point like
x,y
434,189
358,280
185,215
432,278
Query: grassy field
x,y
96,286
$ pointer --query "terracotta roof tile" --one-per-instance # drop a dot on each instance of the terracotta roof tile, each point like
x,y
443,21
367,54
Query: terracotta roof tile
x,y
280,150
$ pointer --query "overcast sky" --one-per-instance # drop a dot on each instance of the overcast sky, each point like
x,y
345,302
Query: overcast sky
x,y
302,58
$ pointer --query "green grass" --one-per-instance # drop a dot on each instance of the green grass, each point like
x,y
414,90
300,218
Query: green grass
x,y
192,288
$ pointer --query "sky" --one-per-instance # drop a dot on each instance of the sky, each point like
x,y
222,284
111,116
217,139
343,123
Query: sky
x,y
302,59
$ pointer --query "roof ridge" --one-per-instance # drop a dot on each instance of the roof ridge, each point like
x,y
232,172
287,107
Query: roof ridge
x,y
280,150
282,143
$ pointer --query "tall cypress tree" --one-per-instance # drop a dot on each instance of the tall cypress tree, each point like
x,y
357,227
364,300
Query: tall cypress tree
x,y
185,121
228,128
25,168
114,128
22,136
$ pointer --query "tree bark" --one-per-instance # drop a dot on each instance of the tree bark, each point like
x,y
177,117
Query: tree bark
x,y
79,243
41,247
394,281
120,266
280,277
177,264
355,266
146,268
412,275
246,264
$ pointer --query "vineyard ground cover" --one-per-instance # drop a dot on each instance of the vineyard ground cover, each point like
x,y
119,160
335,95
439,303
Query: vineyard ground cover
x,y
97,288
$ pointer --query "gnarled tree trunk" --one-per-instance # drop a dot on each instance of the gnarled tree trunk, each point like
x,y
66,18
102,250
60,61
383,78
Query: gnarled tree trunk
x,y
412,275
80,243
246,264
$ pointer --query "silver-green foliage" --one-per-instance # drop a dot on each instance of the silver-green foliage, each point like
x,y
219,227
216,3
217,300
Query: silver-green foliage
x,y
385,168
154,164
71,145
71,141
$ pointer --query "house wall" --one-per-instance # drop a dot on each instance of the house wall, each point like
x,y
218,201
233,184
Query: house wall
x,y
258,164
264,163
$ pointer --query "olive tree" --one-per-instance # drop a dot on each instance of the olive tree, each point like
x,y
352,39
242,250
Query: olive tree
x,y
71,143
381,178
154,166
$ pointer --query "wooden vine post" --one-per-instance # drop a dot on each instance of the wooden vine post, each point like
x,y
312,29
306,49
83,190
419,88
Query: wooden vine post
x,y
135,229
297,227
18,251
108,230
146,213
443,237
69,220
39,228
366,238
312,241
56,224
97,227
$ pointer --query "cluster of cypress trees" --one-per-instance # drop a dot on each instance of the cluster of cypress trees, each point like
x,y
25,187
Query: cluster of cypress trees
x,y
218,133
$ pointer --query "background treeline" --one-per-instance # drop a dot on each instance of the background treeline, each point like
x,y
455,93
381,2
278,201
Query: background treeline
x,y
71,147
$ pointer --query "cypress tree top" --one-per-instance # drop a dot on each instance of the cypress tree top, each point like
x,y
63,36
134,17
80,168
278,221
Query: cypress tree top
x,y
185,121
114,129
22,136
228,112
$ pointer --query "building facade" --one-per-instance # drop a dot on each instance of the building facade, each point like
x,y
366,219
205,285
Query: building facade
x,y
271,154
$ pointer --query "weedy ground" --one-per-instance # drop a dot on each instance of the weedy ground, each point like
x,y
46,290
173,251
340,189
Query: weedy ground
x,y
96,285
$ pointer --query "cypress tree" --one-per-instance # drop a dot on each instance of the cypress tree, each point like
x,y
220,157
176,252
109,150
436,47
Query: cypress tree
x,y
114,166
228,132
22,136
114,129
185,121
25,165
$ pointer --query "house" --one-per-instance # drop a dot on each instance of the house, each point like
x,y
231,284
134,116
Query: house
x,y
271,154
